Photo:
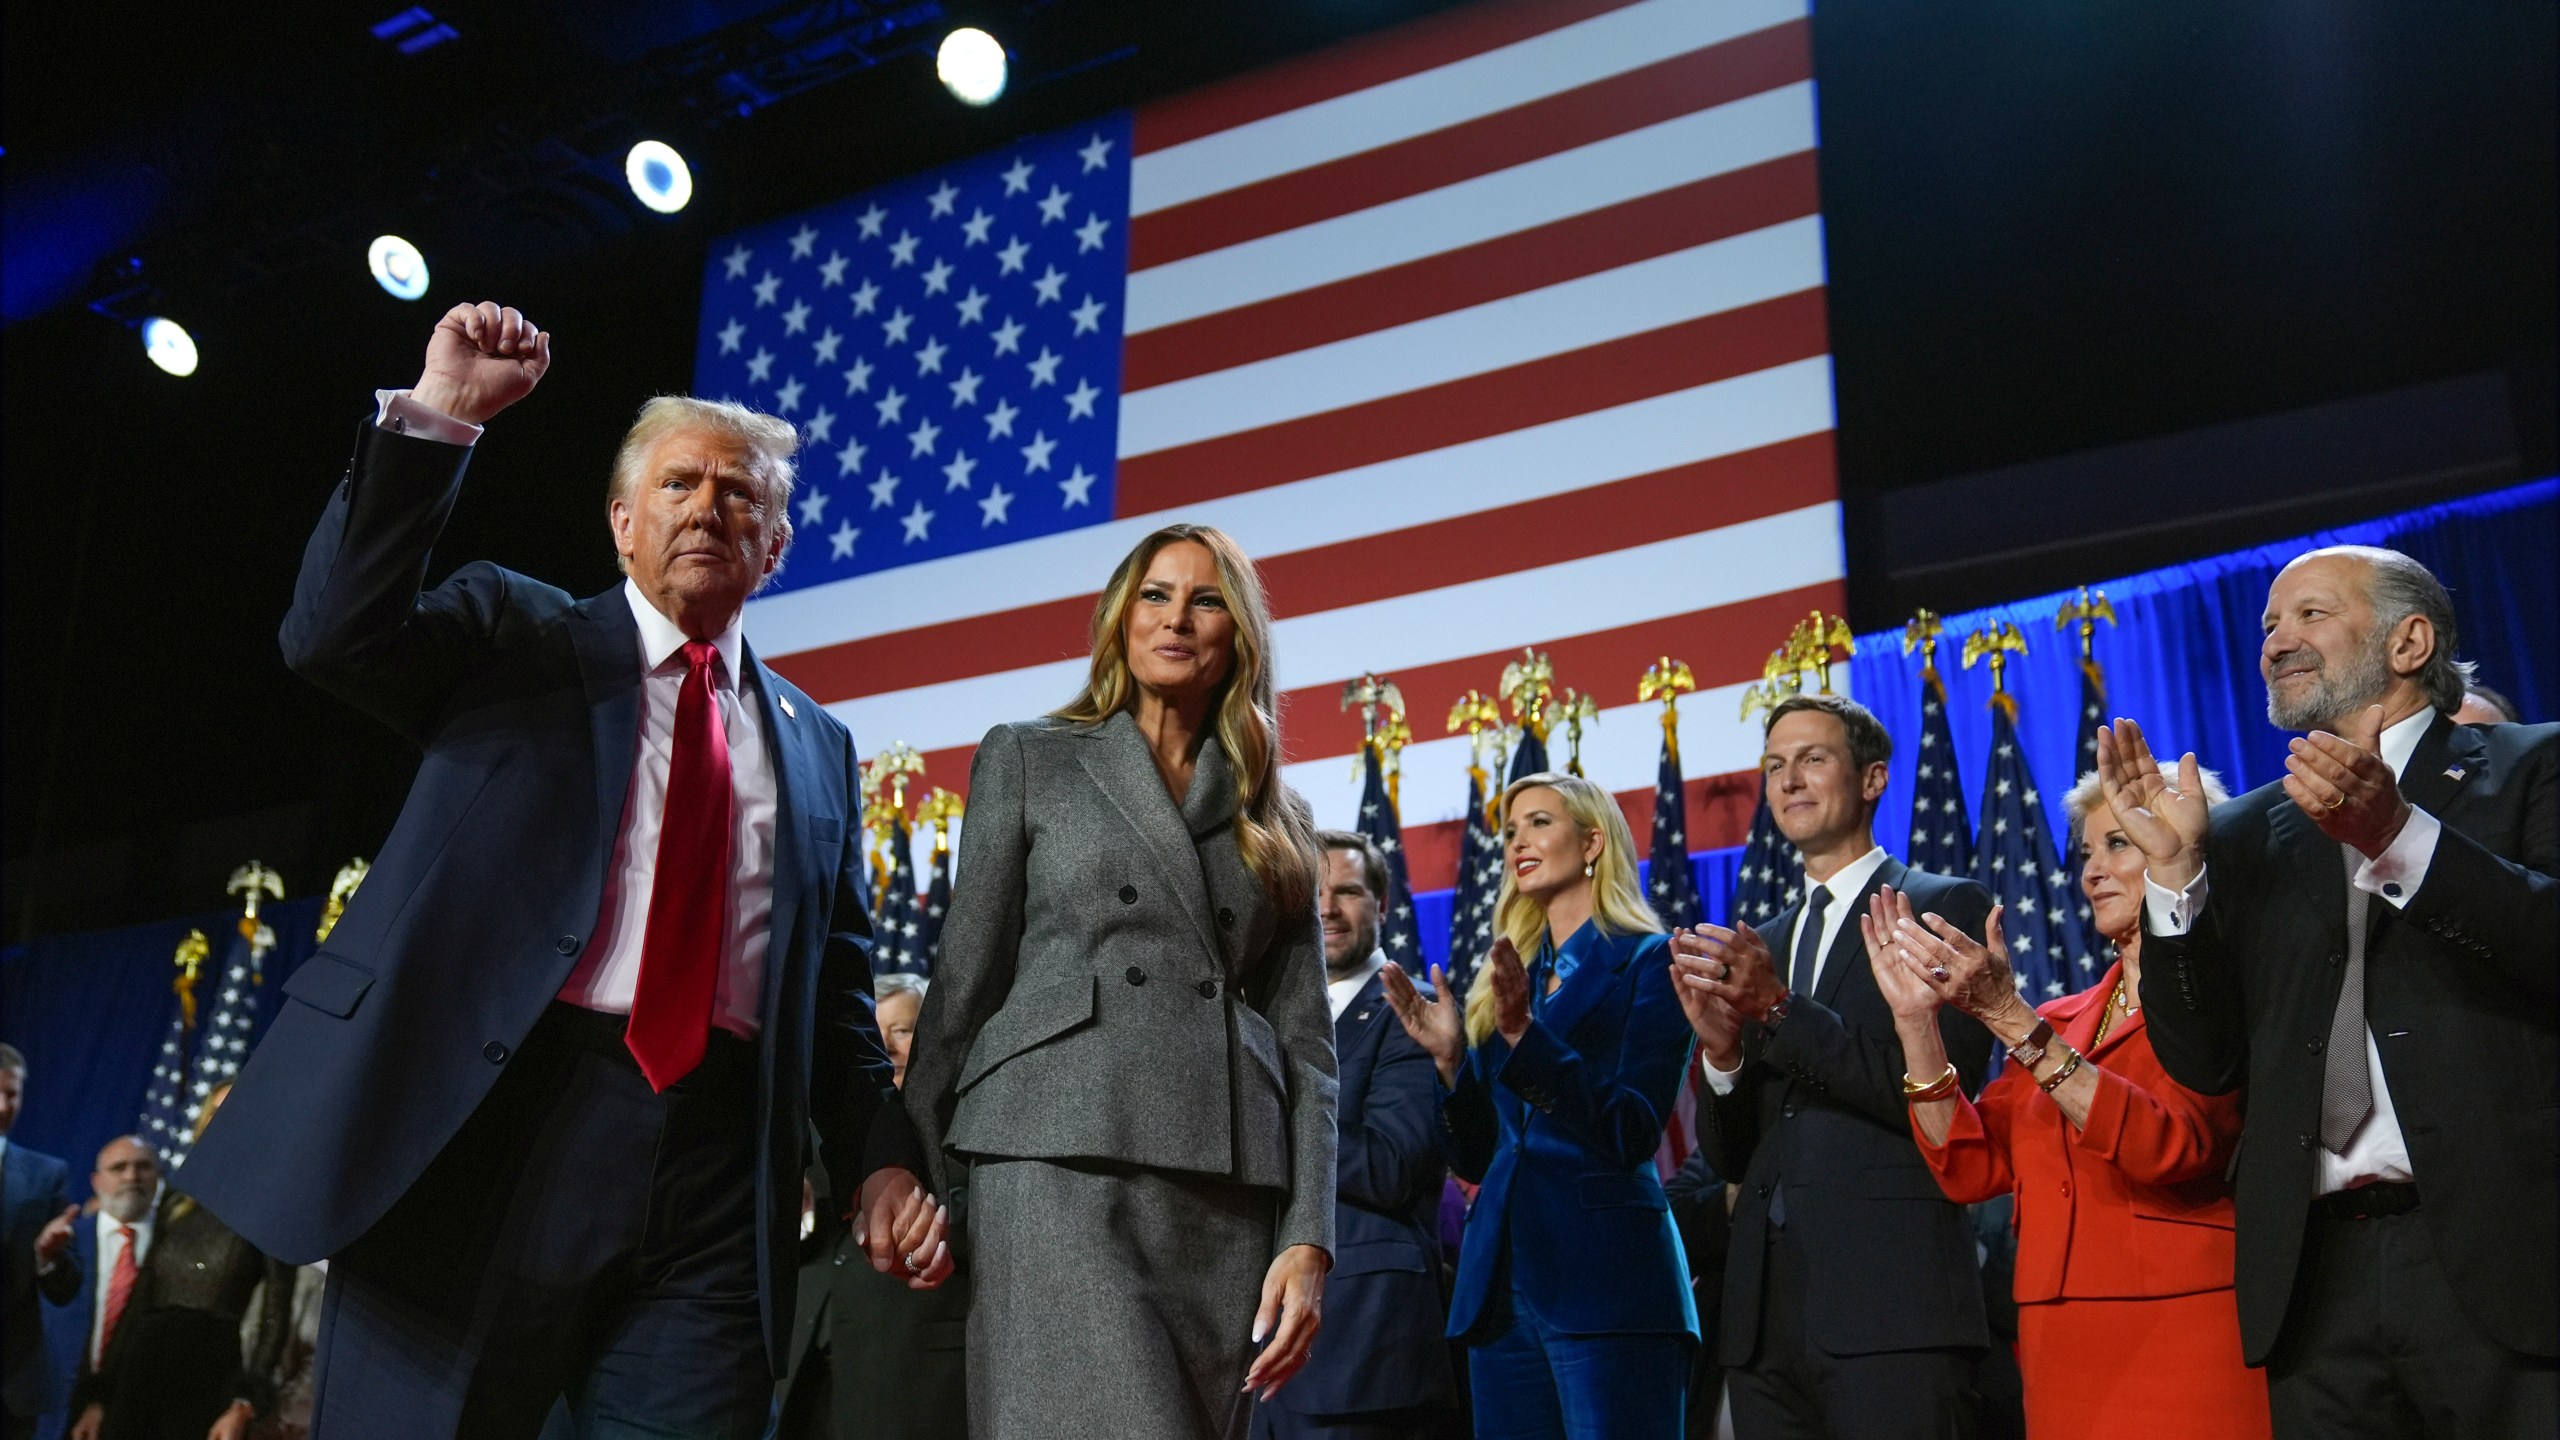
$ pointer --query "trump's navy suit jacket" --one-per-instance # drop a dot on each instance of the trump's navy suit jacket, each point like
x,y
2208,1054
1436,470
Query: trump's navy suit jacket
x,y
527,705
34,1188
66,1326
1560,1131
1381,1348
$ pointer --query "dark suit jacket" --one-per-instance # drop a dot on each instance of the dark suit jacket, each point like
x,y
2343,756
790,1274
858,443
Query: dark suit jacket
x,y
66,1328
527,704
1818,1108
34,1188
2460,988
1381,1346
1560,1131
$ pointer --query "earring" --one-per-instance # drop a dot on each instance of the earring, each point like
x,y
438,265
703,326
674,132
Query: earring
x,y
1588,869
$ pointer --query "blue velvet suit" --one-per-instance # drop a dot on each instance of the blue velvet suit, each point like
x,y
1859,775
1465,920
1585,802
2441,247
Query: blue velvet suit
x,y
1570,1236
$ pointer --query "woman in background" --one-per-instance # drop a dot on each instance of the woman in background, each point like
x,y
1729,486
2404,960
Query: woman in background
x,y
2127,1322
1556,1083
1127,1042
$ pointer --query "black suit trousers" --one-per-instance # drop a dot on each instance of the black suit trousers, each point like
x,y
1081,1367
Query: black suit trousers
x,y
583,1238
1795,1390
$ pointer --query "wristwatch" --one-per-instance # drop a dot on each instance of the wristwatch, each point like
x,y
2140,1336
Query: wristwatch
x,y
2030,1051
1777,1010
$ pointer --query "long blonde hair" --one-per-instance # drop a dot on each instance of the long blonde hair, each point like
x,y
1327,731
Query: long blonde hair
x,y
1618,905
1274,831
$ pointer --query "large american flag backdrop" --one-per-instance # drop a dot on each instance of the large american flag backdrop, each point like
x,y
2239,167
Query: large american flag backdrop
x,y
1501,329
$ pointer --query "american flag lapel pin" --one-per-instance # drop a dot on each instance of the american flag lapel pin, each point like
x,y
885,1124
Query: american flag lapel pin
x,y
785,702
2454,772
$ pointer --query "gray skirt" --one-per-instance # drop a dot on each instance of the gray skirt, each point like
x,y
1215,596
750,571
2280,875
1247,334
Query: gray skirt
x,y
1112,1300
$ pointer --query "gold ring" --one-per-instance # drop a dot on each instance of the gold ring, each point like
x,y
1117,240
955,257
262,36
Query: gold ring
x,y
2334,804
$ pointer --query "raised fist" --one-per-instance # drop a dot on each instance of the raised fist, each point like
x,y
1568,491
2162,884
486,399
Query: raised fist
x,y
482,359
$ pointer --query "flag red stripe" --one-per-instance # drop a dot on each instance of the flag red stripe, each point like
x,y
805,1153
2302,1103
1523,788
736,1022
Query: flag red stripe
x,y
1683,500
1426,44
1724,645
1697,80
1658,224
1617,372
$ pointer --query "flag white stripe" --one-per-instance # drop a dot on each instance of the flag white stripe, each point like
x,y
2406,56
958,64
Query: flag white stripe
x,y
1721,275
1597,447
1434,99
1700,571
1554,187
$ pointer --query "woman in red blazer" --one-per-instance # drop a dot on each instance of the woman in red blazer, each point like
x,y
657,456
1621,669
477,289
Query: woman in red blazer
x,y
2126,1320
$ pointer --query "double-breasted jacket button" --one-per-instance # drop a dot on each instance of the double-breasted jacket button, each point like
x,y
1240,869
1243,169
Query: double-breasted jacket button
x,y
2337,959
1208,989
566,944
1226,918
1764,1191
1128,894
2307,1142
2318,1045
494,1053
1136,975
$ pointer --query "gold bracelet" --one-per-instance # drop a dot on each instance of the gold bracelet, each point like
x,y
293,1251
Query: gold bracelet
x,y
1934,1089
2049,1085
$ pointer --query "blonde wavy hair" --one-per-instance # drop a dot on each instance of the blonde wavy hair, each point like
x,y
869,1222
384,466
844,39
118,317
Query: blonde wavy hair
x,y
1274,830
1618,905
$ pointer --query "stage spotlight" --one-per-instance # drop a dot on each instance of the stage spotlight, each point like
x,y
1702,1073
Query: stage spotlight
x,y
658,176
397,267
972,66
169,345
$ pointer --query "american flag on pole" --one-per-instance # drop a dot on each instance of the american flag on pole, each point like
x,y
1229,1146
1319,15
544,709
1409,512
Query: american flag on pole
x,y
1479,880
897,920
1502,328
1941,832
2015,860
164,1123
1772,872
222,1041
1398,932
2090,954
1672,887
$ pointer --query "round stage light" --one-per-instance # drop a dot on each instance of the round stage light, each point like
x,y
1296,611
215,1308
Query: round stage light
x,y
658,175
169,345
397,267
972,66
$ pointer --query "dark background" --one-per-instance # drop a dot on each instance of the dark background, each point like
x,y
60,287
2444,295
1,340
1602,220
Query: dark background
x,y
2111,286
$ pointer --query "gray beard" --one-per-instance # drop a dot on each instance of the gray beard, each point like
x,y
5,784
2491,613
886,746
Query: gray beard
x,y
2355,682
137,1201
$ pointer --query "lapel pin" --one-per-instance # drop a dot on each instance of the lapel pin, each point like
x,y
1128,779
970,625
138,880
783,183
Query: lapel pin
x,y
2453,772
785,702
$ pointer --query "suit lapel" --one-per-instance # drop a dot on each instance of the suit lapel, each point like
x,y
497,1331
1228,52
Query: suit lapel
x,y
1360,1017
607,642
792,749
2447,758
1115,755
1601,958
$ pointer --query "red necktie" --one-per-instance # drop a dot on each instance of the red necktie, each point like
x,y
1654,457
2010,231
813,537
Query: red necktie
x,y
119,1290
688,894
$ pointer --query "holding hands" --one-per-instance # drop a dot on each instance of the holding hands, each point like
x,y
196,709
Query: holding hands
x,y
904,1229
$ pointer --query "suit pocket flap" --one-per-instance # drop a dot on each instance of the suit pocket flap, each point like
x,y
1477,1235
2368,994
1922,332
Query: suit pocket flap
x,y
1370,1257
1032,1018
329,984
1602,1191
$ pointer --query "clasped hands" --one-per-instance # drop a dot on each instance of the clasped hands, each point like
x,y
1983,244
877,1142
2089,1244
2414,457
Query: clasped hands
x,y
903,1228
1724,976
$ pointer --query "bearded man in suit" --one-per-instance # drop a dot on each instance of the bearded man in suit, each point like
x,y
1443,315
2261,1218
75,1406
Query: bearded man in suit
x,y
2368,945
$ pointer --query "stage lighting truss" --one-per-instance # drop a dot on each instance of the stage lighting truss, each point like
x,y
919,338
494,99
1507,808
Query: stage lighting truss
x,y
397,267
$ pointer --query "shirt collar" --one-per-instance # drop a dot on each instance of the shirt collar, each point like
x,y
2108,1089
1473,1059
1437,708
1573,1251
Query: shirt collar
x,y
2401,740
660,639
1377,961
1851,880
108,1224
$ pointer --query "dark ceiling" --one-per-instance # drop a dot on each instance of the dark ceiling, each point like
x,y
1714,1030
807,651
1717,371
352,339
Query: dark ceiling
x,y
2052,228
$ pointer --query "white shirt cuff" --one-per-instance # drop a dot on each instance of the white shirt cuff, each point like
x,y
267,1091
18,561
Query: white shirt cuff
x,y
2397,872
1720,1081
399,412
2173,912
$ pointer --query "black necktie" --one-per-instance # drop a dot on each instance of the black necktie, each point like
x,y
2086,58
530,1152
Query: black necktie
x,y
1809,942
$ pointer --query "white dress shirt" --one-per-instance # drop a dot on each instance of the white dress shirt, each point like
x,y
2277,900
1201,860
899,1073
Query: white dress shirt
x,y
609,970
110,1245
2379,1150
1845,885
1340,993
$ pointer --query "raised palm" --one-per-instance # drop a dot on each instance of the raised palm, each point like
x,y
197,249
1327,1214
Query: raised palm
x,y
2164,819
1433,1021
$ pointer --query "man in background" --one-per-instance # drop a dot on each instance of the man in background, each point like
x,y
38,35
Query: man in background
x,y
1379,1369
108,1245
36,1216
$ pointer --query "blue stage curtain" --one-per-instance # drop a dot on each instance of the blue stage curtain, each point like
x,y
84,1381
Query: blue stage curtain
x,y
89,1009
2182,658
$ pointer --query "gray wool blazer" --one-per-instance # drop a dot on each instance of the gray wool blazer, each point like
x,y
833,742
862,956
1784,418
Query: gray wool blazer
x,y
1115,985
